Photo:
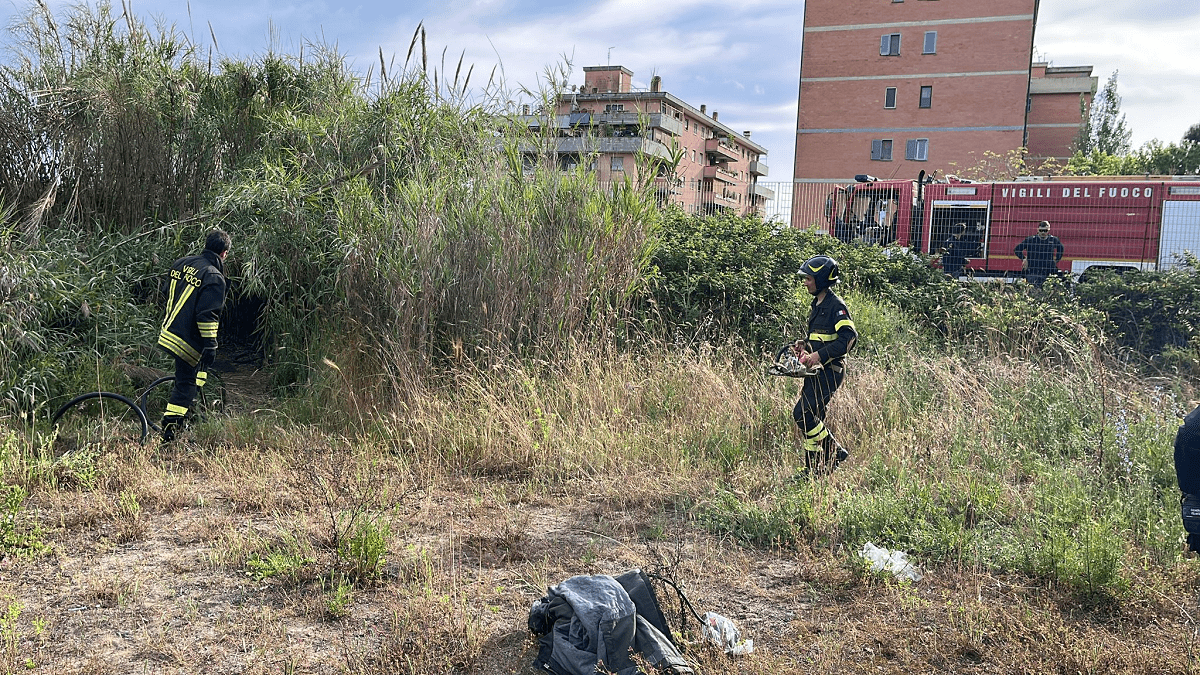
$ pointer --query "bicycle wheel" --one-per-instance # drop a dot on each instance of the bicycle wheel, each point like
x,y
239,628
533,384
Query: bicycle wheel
x,y
153,400
99,416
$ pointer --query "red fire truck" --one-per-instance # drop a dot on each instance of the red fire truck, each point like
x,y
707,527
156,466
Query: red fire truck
x,y
1117,222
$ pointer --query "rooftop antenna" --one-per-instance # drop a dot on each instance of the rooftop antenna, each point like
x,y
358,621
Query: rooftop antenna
x,y
610,55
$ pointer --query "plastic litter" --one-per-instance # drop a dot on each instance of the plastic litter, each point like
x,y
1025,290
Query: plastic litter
x,y
896,562
724,634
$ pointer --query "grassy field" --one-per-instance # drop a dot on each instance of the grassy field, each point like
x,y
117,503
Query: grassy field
x,y
475,375
1039,507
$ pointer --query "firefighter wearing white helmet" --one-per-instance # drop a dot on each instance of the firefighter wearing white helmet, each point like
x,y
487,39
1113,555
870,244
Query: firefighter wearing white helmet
x,y
831,334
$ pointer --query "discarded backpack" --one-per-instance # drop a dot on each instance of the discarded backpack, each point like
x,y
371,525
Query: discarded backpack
x,y
591,621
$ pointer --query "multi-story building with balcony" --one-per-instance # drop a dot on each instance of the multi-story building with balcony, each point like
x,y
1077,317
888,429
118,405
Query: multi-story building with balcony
x,y
895,87
1059,97
612,129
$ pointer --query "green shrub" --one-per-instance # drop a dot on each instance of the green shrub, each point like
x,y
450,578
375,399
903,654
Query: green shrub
x,y
338,597
286,562
1148,312
363,553
17,538
778,523
716,277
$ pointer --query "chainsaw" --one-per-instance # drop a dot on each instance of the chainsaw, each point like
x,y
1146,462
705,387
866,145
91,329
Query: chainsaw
x,y
787,364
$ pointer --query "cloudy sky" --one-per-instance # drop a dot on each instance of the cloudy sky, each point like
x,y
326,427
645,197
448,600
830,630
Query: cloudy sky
x,y
739,58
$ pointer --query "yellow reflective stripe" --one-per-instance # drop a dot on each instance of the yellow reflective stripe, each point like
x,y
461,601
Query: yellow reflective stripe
x,y
208,329
201,378
183,297
843,323
176,345
822,337
812,446
170,294
173,409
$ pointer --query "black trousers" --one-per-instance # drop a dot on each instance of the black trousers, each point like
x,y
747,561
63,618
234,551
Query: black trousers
x,y
809,412
188,380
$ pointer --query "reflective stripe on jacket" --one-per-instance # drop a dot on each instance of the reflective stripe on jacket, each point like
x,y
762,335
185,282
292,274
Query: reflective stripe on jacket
x,y
195,289
831,331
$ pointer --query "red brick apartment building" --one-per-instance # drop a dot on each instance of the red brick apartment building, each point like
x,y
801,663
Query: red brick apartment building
x,y
605,123
893,87
1057,97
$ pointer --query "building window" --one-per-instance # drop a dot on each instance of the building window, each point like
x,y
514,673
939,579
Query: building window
x,y
927,97
889,45
881,150
614,107
889,97
930,42
618,164
917,149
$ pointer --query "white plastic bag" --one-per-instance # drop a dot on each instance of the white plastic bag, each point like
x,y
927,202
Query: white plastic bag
x,y
895,562
721,632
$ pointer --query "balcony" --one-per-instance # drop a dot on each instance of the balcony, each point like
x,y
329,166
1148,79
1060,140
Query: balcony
x,y
723,150
758,168
721,196
585,120
623,145
761,192
717,173
649,120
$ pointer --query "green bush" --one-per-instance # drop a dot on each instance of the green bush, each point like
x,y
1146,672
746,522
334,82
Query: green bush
x,y
1149,313
16,538
363,553
780,522
716,277
285,561
77,307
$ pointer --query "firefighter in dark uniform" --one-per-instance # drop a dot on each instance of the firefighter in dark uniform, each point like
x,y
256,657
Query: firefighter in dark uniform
x,y
1039,254
1187,474
831,334
195,290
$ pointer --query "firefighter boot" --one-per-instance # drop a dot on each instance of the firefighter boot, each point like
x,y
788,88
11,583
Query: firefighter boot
x,y
171,426
840,453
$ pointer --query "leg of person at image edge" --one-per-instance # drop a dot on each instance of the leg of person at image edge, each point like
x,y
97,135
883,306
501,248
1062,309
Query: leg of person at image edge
x,y
822,452
188,380
1187,475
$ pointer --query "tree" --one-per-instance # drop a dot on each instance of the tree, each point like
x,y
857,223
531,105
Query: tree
x,y
1109,133
1083,140
1193,134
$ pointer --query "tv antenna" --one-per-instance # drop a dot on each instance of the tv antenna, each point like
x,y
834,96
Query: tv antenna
x,y
610,54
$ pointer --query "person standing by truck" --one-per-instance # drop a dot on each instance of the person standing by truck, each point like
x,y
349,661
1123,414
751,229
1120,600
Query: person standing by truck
x,y
956,251
1039,254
